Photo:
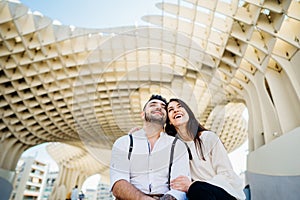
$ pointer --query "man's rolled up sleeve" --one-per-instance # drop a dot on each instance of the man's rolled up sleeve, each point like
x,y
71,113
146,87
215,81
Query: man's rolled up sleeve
x,y
119,164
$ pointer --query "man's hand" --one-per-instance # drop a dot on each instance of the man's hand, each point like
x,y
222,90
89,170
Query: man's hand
x,y
167,197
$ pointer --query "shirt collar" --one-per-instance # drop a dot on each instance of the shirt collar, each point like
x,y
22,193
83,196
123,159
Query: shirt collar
x,y
142,133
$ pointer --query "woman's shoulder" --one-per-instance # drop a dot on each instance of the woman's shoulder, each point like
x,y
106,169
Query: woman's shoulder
x,y
209,135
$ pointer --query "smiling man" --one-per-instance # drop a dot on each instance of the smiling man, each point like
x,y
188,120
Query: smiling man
x,y
140,164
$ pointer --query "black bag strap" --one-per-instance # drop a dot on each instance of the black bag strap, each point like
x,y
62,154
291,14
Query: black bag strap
x,y
130,146
189,151
171,159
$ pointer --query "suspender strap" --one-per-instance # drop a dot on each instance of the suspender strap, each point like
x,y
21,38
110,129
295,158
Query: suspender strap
x,y
130,146
171,154
171,160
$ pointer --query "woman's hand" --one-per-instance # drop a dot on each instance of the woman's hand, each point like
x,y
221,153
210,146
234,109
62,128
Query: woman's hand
x,y
181,183
134,129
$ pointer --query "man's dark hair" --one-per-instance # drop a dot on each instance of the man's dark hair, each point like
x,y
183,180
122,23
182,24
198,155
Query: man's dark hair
x,y
156,96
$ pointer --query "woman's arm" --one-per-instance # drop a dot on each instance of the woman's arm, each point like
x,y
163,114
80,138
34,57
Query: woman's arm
x,y
181,183
221,163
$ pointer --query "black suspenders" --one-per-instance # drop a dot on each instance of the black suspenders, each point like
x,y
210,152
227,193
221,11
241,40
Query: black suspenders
x,y
171,154
130,146
171,159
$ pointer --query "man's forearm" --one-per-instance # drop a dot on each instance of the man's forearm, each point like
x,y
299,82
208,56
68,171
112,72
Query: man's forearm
x,y
123,190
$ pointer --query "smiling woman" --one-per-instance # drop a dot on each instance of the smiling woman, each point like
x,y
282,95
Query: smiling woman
x,y
211,171
95,13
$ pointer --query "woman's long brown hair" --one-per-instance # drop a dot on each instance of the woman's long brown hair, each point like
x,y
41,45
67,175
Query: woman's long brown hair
x,y
193,126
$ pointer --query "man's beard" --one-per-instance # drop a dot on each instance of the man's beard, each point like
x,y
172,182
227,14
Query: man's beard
x,y
153,119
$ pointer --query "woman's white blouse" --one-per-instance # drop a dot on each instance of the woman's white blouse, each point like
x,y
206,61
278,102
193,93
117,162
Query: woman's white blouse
x,y
217,169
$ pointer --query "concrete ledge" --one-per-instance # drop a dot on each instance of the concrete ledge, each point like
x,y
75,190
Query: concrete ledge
x,y
277,158
273,187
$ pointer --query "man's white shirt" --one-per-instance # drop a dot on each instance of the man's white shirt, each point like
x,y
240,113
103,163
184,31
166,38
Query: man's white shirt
x,y
148,170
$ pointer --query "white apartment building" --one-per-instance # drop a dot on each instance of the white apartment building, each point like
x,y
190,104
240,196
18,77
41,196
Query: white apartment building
x,y
49,184
103,192
30,179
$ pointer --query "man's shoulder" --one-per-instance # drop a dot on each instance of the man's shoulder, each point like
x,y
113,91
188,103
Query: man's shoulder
x,y
123,140
167,137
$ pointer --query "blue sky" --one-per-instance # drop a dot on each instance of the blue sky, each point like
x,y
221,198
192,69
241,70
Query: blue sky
x,y
95,13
